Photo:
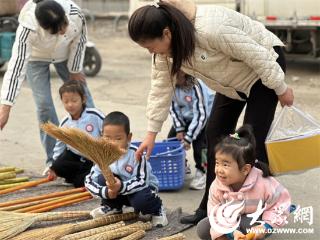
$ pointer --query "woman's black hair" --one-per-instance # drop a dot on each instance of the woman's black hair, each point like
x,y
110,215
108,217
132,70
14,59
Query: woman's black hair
x,y
148,23
50,15
73,86
241,146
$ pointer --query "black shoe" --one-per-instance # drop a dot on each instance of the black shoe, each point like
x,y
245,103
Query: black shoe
x,y
195,218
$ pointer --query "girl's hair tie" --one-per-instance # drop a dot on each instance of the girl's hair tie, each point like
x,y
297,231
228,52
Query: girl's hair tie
x,y
155,4
256,161
235,136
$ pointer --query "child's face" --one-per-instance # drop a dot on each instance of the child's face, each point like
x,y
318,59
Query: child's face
x,y
228,172
117,135
73,103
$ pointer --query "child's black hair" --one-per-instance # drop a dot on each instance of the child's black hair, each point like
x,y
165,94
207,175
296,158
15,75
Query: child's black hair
x,y
75,87
241,146
119,119
50,15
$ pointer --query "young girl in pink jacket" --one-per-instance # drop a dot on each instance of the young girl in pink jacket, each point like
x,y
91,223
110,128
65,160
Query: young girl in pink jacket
x,y
244,197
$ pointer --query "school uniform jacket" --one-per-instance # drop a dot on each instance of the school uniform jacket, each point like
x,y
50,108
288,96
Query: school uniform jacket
x,y
191,107
134,175
232,52
90,121
33,43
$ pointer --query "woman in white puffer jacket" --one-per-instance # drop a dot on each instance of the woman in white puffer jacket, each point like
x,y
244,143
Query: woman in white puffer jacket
x,y
235,56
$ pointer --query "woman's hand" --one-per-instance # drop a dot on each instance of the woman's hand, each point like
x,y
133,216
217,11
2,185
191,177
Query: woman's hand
x,y
286,99
78,76
147,144
4,115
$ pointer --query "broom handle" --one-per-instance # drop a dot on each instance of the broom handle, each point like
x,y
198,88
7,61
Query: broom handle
x,y
57,205
25,185
41,197
27,204
60,200
108,175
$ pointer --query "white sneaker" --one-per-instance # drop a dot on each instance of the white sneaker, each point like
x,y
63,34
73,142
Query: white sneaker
x,y
199,180
46,171
160,220
127,209
103,211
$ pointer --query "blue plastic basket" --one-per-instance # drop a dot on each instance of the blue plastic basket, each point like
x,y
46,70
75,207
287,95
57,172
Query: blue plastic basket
x,y
168,164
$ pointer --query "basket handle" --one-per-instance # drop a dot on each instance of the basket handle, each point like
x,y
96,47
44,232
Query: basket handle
x,y
170,139
171,151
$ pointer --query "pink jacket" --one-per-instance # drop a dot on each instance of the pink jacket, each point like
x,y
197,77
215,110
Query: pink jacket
x,y
255,188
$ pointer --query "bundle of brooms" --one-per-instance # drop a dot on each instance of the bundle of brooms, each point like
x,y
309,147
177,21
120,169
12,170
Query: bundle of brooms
x,y
57,232
178,236
46,202
98,150
12,224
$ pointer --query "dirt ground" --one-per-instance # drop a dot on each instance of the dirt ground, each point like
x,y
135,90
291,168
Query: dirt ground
x,y
123,84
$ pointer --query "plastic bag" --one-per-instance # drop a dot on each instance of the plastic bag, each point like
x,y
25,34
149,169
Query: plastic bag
x,y
293,142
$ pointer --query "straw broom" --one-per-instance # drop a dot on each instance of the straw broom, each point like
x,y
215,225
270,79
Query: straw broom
x,y
12,224
135,236
93,231
56,232
99,151
178,236
121,232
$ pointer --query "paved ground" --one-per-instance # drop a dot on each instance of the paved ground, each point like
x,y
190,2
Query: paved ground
x,y
123,84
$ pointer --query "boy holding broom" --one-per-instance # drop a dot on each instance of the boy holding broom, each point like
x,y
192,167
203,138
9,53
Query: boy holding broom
x,y
135,185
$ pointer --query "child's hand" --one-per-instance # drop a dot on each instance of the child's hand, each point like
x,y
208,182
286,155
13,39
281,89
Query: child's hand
x,y
186,145
115,187
237,235
180,136
112,194
259,232
51,174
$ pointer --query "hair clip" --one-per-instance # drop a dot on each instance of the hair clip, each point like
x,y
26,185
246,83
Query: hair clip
x,y
155,4
235,136
256,161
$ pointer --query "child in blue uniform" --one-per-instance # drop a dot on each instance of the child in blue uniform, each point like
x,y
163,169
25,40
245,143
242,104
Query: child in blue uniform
x,y
135,186
190,108
69,163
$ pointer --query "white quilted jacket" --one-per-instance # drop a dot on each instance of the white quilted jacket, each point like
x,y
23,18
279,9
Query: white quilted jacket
x,y
232,53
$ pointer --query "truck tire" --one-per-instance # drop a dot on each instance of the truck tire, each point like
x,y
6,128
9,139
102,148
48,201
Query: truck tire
x,y
92,62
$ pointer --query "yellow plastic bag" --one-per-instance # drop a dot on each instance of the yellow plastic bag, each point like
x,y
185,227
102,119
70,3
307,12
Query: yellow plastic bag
x,y
293,142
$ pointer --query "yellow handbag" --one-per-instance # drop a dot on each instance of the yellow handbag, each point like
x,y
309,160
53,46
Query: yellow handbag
x,y
293,142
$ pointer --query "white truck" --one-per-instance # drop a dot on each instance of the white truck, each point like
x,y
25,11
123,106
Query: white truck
x,y
295,22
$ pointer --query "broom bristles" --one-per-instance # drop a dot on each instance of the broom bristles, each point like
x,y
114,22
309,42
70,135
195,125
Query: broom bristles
x,y
99,151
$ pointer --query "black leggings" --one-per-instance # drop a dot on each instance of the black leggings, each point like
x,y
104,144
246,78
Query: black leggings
x,y
72,167
261,106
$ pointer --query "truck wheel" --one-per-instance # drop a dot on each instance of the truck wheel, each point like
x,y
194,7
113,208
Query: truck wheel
x,y
92,62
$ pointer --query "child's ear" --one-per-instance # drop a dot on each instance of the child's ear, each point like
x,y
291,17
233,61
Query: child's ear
x,y
84,99
129,137
246,169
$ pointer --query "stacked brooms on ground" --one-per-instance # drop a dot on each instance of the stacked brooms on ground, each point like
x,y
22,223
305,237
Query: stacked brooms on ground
x,y
13,224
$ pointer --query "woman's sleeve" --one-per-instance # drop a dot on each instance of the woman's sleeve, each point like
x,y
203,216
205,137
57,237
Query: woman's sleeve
x,y
160,94
237,44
